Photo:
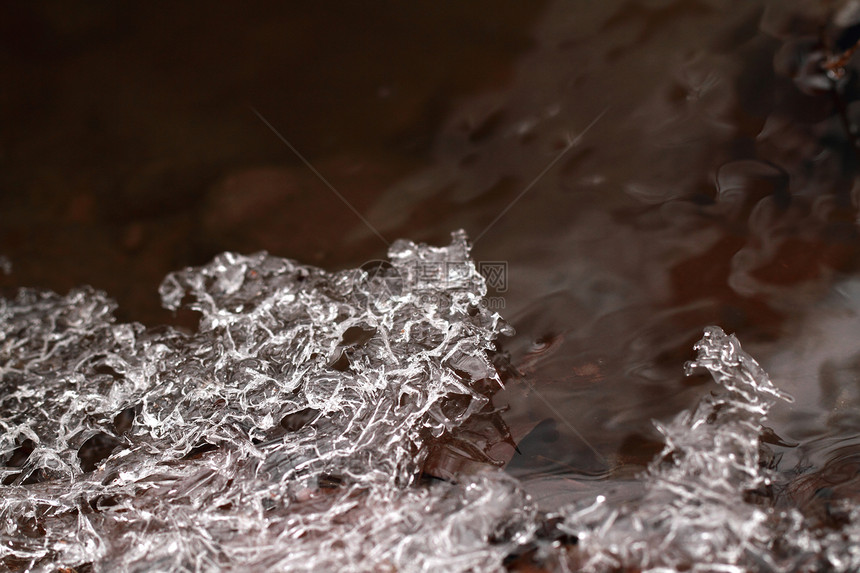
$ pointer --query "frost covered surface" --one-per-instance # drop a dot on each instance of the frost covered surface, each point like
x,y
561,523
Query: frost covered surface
x,y
284,434
289,433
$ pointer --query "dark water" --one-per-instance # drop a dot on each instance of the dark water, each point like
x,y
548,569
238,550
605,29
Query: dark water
x,y
642,168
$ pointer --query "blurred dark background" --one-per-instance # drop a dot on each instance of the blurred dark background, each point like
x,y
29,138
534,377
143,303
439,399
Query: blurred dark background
x,y
129,148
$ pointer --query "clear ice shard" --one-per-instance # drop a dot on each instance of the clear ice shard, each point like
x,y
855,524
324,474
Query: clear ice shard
x,y
694,512
707,501
289,432
288,428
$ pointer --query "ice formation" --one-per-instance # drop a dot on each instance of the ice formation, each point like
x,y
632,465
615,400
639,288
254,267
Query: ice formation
x,y
280,434
708,500
694,510
290,431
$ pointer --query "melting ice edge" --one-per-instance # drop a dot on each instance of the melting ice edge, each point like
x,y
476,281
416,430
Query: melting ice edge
x,y
199,473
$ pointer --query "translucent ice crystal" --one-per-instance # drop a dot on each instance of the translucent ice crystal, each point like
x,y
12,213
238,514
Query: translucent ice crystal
x,y
293,420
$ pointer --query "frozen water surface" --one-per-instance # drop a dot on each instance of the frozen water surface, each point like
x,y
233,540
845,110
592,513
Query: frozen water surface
x,y
291,430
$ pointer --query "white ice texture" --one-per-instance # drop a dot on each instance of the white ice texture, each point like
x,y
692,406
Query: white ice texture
x,y
288,434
